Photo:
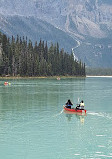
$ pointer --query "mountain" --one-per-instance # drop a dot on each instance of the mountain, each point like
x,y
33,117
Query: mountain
x,y
85,26
35,29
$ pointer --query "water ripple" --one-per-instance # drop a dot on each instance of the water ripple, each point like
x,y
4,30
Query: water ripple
x,y
100,114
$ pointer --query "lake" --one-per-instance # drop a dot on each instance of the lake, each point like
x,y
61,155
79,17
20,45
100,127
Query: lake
x,y
33,124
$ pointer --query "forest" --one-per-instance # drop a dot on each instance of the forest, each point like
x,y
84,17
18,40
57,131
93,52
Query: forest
x,y
19,57
99,71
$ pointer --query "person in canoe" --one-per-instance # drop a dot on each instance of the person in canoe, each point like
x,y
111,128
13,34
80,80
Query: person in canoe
x,y
69,104
81,105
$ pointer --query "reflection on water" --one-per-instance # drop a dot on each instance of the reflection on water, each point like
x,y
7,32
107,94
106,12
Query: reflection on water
x,y
79,116
82,119
69,116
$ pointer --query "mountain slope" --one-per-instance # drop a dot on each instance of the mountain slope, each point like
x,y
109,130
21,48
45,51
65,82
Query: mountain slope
x,y
35,29
87,15
89,22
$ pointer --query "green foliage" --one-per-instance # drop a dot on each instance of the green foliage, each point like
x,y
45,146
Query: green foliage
x,y
99,71
20,57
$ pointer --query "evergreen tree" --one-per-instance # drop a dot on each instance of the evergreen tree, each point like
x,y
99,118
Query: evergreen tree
x,y
19,57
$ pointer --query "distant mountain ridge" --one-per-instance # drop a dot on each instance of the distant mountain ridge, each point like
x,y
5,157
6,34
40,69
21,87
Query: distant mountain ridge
x,y
86,25
35,29
86,15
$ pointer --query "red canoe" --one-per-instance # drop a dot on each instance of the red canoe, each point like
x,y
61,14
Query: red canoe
x,y
74,110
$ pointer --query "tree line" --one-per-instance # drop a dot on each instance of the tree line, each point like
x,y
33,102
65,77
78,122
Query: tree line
x,y
19,57
99,71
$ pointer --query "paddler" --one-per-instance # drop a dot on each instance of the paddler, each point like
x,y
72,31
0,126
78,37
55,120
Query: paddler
x,y
69,104
81,105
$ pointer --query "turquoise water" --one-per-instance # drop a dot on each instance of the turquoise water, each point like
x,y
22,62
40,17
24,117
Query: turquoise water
x,y
33,124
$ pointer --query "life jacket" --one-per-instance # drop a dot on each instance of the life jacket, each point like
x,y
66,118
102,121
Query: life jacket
x,y
82,104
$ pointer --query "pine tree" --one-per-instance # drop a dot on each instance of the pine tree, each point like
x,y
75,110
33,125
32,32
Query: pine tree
x,y
19,57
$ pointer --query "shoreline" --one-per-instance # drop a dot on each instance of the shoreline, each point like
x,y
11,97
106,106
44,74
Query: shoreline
x,y
41,77
99,76
53,77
